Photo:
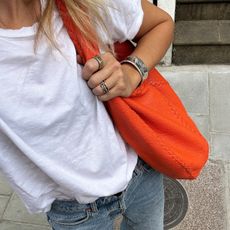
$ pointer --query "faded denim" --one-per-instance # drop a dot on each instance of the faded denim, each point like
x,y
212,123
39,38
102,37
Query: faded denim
x,y
141,205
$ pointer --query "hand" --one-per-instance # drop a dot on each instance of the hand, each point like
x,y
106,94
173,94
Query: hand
x,y
120,80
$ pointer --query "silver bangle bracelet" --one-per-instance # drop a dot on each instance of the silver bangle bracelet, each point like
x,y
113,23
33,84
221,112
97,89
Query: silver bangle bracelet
x,y
139,66
133,64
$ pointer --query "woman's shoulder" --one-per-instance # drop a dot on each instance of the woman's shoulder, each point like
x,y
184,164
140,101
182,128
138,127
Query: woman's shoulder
x,y
122,18
124,7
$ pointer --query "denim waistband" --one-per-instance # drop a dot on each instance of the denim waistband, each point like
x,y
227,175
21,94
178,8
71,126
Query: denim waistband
x,y
74,205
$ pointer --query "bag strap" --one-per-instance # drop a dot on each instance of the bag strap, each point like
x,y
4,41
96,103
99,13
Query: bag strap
x,y
85,49
122,50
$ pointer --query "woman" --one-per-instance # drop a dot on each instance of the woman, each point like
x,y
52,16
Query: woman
x,y
59,149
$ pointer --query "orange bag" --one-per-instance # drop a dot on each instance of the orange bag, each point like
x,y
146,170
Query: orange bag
x,y
153,121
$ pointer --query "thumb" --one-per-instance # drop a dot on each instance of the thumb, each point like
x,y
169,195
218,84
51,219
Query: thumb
x,y
79,60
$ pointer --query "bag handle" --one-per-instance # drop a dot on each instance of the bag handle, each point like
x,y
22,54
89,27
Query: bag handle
x,y
85,49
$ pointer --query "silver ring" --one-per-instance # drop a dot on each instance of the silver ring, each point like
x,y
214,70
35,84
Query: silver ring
x,y
104,87
99,61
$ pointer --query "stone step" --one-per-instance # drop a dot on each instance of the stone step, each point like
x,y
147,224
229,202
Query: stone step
x,y
203,11
201,54
204,32
197,1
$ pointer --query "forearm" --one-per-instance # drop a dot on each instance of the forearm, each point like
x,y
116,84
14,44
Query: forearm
x,y
153,45
153,40
150,49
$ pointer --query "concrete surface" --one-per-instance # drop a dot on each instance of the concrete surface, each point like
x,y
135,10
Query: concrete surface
x,y
198,1
201,54
207,203
203,11
205,92
202,32
169,7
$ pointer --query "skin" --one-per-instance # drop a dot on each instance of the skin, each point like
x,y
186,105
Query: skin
x,y
15,14
153,40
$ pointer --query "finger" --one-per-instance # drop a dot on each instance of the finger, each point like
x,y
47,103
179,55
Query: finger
x,y
111,69
110,95
90,67
100,61
79,59
109,82
119,89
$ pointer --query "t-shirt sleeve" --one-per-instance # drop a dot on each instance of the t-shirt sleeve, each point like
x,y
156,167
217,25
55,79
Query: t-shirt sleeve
x,y
123,20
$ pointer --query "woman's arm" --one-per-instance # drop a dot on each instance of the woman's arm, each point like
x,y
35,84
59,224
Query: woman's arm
x,y
153,40
154,36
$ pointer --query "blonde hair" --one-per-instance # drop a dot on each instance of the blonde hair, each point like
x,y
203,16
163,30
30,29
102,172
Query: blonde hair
x,y
81,12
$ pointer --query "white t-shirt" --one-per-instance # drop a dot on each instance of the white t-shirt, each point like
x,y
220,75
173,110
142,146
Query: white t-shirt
x,y
56,138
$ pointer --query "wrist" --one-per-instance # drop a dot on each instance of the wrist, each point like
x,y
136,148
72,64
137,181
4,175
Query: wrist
x,y
132,74
138,64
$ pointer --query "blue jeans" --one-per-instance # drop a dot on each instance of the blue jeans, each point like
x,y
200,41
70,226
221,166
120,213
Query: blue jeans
x,y
140,206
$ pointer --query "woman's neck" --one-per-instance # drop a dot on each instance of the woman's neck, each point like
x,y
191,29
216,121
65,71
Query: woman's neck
x,y
15,14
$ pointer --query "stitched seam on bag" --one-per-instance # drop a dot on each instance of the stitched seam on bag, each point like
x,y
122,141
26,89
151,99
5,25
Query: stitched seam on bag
x,y
159,83
179,117
151,82
174,110
187,169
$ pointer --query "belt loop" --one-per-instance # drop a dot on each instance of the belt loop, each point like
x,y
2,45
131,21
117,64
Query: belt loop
x,y
121,202
93,206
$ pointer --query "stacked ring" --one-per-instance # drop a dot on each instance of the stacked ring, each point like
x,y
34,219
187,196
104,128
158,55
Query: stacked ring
x,y
104,87
99,61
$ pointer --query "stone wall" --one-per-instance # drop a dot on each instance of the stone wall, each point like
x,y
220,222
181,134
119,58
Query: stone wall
x,y
205,92
202,32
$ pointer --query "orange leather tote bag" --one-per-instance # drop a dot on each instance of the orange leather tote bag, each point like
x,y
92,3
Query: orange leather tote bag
x,y
153,120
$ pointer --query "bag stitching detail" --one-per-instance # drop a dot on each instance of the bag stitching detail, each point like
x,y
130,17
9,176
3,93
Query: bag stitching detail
x,y
187,169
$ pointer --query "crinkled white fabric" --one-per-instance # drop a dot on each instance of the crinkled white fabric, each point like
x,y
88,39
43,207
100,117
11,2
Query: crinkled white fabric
x,y
56,139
